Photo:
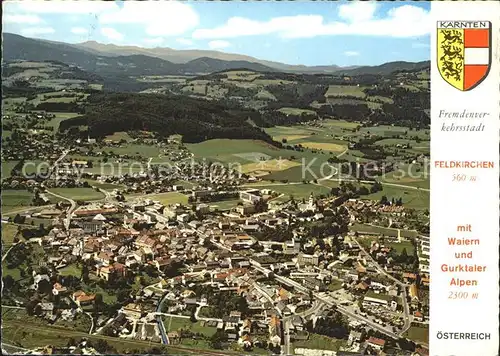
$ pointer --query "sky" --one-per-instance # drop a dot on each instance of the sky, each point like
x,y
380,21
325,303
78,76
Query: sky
x,y
302,32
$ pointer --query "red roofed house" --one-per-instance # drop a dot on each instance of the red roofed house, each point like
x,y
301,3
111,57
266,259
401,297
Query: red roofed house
x,y
81,298
422,351
376,343
418,316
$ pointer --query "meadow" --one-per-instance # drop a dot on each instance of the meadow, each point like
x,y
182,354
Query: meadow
x,y
13,199
412,198
9,232
169,198
86,194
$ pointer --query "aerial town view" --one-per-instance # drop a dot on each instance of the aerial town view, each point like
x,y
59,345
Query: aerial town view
x,y
195,188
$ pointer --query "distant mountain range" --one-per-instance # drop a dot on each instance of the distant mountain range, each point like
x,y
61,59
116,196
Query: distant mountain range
x,y
111,59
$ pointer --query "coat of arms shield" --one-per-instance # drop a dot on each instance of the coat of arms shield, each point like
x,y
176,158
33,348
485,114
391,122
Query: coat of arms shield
x,y
464,52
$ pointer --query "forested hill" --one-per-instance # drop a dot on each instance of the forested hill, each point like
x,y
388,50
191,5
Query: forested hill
x,y
196,120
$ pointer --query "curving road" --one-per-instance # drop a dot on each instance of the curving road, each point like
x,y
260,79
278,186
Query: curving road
x,y
70,210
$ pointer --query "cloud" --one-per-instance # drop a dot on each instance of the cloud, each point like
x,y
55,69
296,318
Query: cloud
x,y
185,41
22,19
218,44
161,18
153,41
79,30
351,53
111,33
357,19
158,18
61,7
358,11
31,31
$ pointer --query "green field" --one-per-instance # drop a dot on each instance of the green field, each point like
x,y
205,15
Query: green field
x,y
296,111
170,198
345,90
378,295
118,136
335,285
298,191
418,334
15,199
224,204
400,246
7,168
60,116
104,185
71,269
412,198
78,193
382,230
9,231
236,153
319,342
176,324
397,246
132,149
412,175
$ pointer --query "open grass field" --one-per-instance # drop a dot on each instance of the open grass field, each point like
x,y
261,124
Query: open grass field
x,y
319,342
104,186
289,138
70,270
224,204
345,90
416,175
10,102
298,191
389,131
372,294
96,86
418,334
170,198
15,273
270,165
237,151
339,124
9,231
132,149
382,230
87,194
332,147
15,199
400,246
397,246
162,79
412,198
335,285
118,136
265,95
7,168
60,116
176,324
296,111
